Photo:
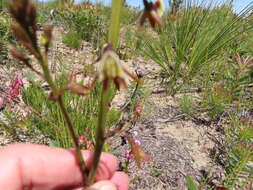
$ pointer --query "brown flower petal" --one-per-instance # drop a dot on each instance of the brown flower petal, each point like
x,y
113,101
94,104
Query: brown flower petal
x,y
153,11
78,89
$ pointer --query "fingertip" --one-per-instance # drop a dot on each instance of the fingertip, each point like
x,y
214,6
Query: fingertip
x,y
107,165
103,185
111,160
121,180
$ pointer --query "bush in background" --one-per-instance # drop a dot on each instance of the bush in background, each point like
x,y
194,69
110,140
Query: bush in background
x,y
83,112
5,36
72,40
87,23
191,42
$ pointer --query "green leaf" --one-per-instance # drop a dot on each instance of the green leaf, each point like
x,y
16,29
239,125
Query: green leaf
x,y
30,76
190,183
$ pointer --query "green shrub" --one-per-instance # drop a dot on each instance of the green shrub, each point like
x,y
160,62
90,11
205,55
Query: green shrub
x,y
83,112
72,40
129,15
192,41
5,36
87,23
3,4
239,138
186,104
43,10
133,42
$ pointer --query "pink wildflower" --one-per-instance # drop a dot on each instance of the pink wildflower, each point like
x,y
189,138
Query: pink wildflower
x,y
87,144
17,83
138,110
129,155
14,89
138,142
82,139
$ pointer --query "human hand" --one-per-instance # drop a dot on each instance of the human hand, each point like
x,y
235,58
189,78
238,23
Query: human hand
x,y
38,167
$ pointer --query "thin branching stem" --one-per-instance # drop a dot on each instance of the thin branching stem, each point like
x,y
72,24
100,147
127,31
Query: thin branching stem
x,y
48,78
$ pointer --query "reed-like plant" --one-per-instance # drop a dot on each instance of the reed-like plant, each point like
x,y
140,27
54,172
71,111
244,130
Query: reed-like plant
x,y
193,40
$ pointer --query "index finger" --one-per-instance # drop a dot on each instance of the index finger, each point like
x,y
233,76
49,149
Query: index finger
x,y
43,167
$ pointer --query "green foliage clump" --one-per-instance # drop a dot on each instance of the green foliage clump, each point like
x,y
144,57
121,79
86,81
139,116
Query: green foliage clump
x,y
87,23
191,42
239,150
206,49
5,36
83,112
43,10
216,100
3,4
72,40
133,42
129,15
186,104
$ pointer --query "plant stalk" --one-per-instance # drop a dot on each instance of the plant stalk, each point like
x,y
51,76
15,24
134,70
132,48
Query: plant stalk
x,y
100,131
113,38
80,159
114,30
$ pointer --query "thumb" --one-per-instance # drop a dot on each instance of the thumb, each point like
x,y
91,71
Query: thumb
x,y
102,185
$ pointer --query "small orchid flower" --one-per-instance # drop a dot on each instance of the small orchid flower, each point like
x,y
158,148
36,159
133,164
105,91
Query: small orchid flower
x,y
153,11
110,68
77,88
136,150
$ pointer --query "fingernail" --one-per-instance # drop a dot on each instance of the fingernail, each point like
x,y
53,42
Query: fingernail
x,y
102,185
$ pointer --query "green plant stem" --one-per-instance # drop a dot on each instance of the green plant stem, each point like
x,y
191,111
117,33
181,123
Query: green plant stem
x,y
114,29
124,107
48,78
80,159
100,131
113,38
